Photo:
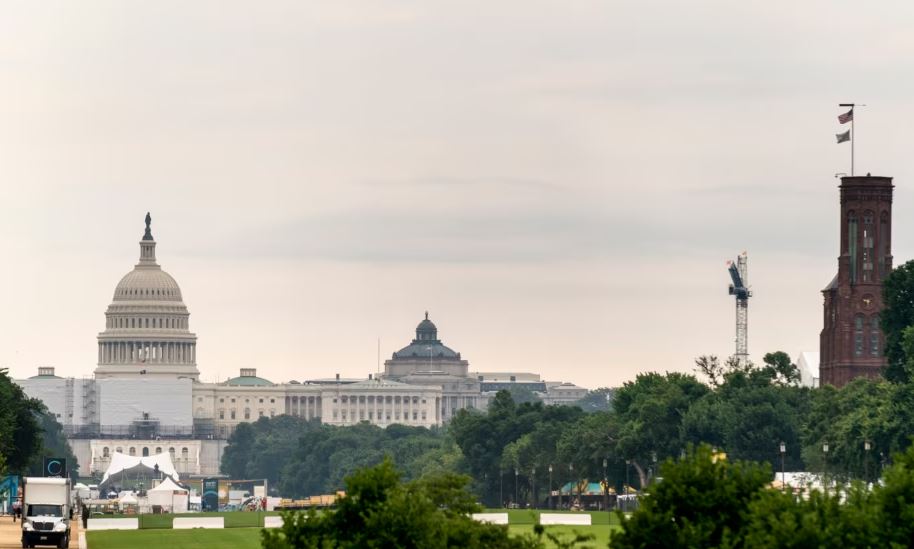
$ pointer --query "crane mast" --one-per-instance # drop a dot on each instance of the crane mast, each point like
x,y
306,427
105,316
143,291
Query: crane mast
x,y
739,274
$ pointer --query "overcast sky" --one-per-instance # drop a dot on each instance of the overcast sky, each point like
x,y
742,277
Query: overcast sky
x,y
558,183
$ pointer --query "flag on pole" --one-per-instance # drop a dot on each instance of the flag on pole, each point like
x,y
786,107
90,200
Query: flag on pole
x,y
842,137
846,117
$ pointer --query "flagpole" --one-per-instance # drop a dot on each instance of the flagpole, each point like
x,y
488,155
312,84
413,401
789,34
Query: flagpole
x,y
851,105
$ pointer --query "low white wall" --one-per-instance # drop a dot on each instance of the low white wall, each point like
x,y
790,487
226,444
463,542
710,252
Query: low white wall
x,y
582,519
491,518
113,524
179,523
272,522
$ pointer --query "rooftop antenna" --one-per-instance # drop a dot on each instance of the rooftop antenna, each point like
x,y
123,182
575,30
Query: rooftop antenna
x,y
739,273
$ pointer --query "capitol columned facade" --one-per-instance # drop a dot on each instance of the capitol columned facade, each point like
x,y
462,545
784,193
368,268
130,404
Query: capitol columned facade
x,y
146,397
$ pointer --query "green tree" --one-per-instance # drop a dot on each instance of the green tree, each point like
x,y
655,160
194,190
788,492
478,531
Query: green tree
x,y
701,502
598,400
649,412
485,437
379,511
781,369
751,411
53,444
20,432
898,314
780,519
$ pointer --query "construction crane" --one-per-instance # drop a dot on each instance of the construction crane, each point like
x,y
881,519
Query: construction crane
x,y
739,273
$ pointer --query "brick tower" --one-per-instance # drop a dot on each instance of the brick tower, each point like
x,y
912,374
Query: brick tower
x,y
851,342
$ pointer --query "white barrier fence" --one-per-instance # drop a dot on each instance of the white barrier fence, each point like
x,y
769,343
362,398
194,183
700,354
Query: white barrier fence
x,y
272,522
181,523
113,524
491,518
573,519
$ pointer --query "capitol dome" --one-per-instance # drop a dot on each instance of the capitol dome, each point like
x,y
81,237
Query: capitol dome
x,y
147,284
147,323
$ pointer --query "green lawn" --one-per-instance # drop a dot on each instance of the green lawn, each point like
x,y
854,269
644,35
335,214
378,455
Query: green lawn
x,y
233,519
600,531
235,538
531,516
249,538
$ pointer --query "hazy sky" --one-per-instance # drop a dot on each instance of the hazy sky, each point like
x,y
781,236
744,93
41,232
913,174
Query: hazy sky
x,y
558,183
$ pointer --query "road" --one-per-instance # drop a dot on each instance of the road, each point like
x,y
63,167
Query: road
x,y
11,534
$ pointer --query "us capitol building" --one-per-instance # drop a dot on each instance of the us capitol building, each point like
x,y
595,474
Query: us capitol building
x,y
146,397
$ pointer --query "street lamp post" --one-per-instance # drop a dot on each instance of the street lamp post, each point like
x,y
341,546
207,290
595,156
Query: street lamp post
x,y
550,487
605,488
825,465
866,460
501,487
533,488
654,466
570,483
516,501
625,488
783,470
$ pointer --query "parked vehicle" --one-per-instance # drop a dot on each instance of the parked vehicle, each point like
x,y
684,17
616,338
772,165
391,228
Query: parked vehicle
x,y
46,511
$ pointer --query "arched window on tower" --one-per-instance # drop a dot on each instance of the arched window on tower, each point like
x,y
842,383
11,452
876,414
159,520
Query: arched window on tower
x,y
869,231
184,454
145,451
105,452
858,335
132,451
852,244
883,243
875,336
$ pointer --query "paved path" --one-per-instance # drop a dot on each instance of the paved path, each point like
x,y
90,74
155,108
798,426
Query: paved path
x,y
11,534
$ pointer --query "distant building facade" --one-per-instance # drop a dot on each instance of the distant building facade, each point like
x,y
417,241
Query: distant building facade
x,y
145,396
851,342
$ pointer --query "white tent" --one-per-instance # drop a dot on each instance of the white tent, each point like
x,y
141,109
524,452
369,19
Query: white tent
x,y
170,496
122,464
129,499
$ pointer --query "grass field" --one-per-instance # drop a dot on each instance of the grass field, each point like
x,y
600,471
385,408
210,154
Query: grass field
x,y
236,519
600,532
242,533
531,516
234,538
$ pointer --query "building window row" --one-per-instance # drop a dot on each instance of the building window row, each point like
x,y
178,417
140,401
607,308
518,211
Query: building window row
x,y
168,322
131,451
149,292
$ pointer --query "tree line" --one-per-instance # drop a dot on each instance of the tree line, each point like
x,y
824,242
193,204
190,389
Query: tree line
x,y
756,413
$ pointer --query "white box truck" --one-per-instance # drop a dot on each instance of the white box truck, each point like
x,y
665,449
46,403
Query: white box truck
x,y
46,511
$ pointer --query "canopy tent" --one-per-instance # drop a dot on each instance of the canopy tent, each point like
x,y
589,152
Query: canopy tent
x,y
170,495
124,466
129,499
168,485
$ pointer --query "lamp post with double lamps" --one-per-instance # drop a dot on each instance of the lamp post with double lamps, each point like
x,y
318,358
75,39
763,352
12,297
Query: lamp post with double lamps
x,y
866,460
516,501
533,488
783,449
550,487
825,465
570,483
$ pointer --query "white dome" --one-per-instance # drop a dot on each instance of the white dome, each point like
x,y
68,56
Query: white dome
x,y
146,283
